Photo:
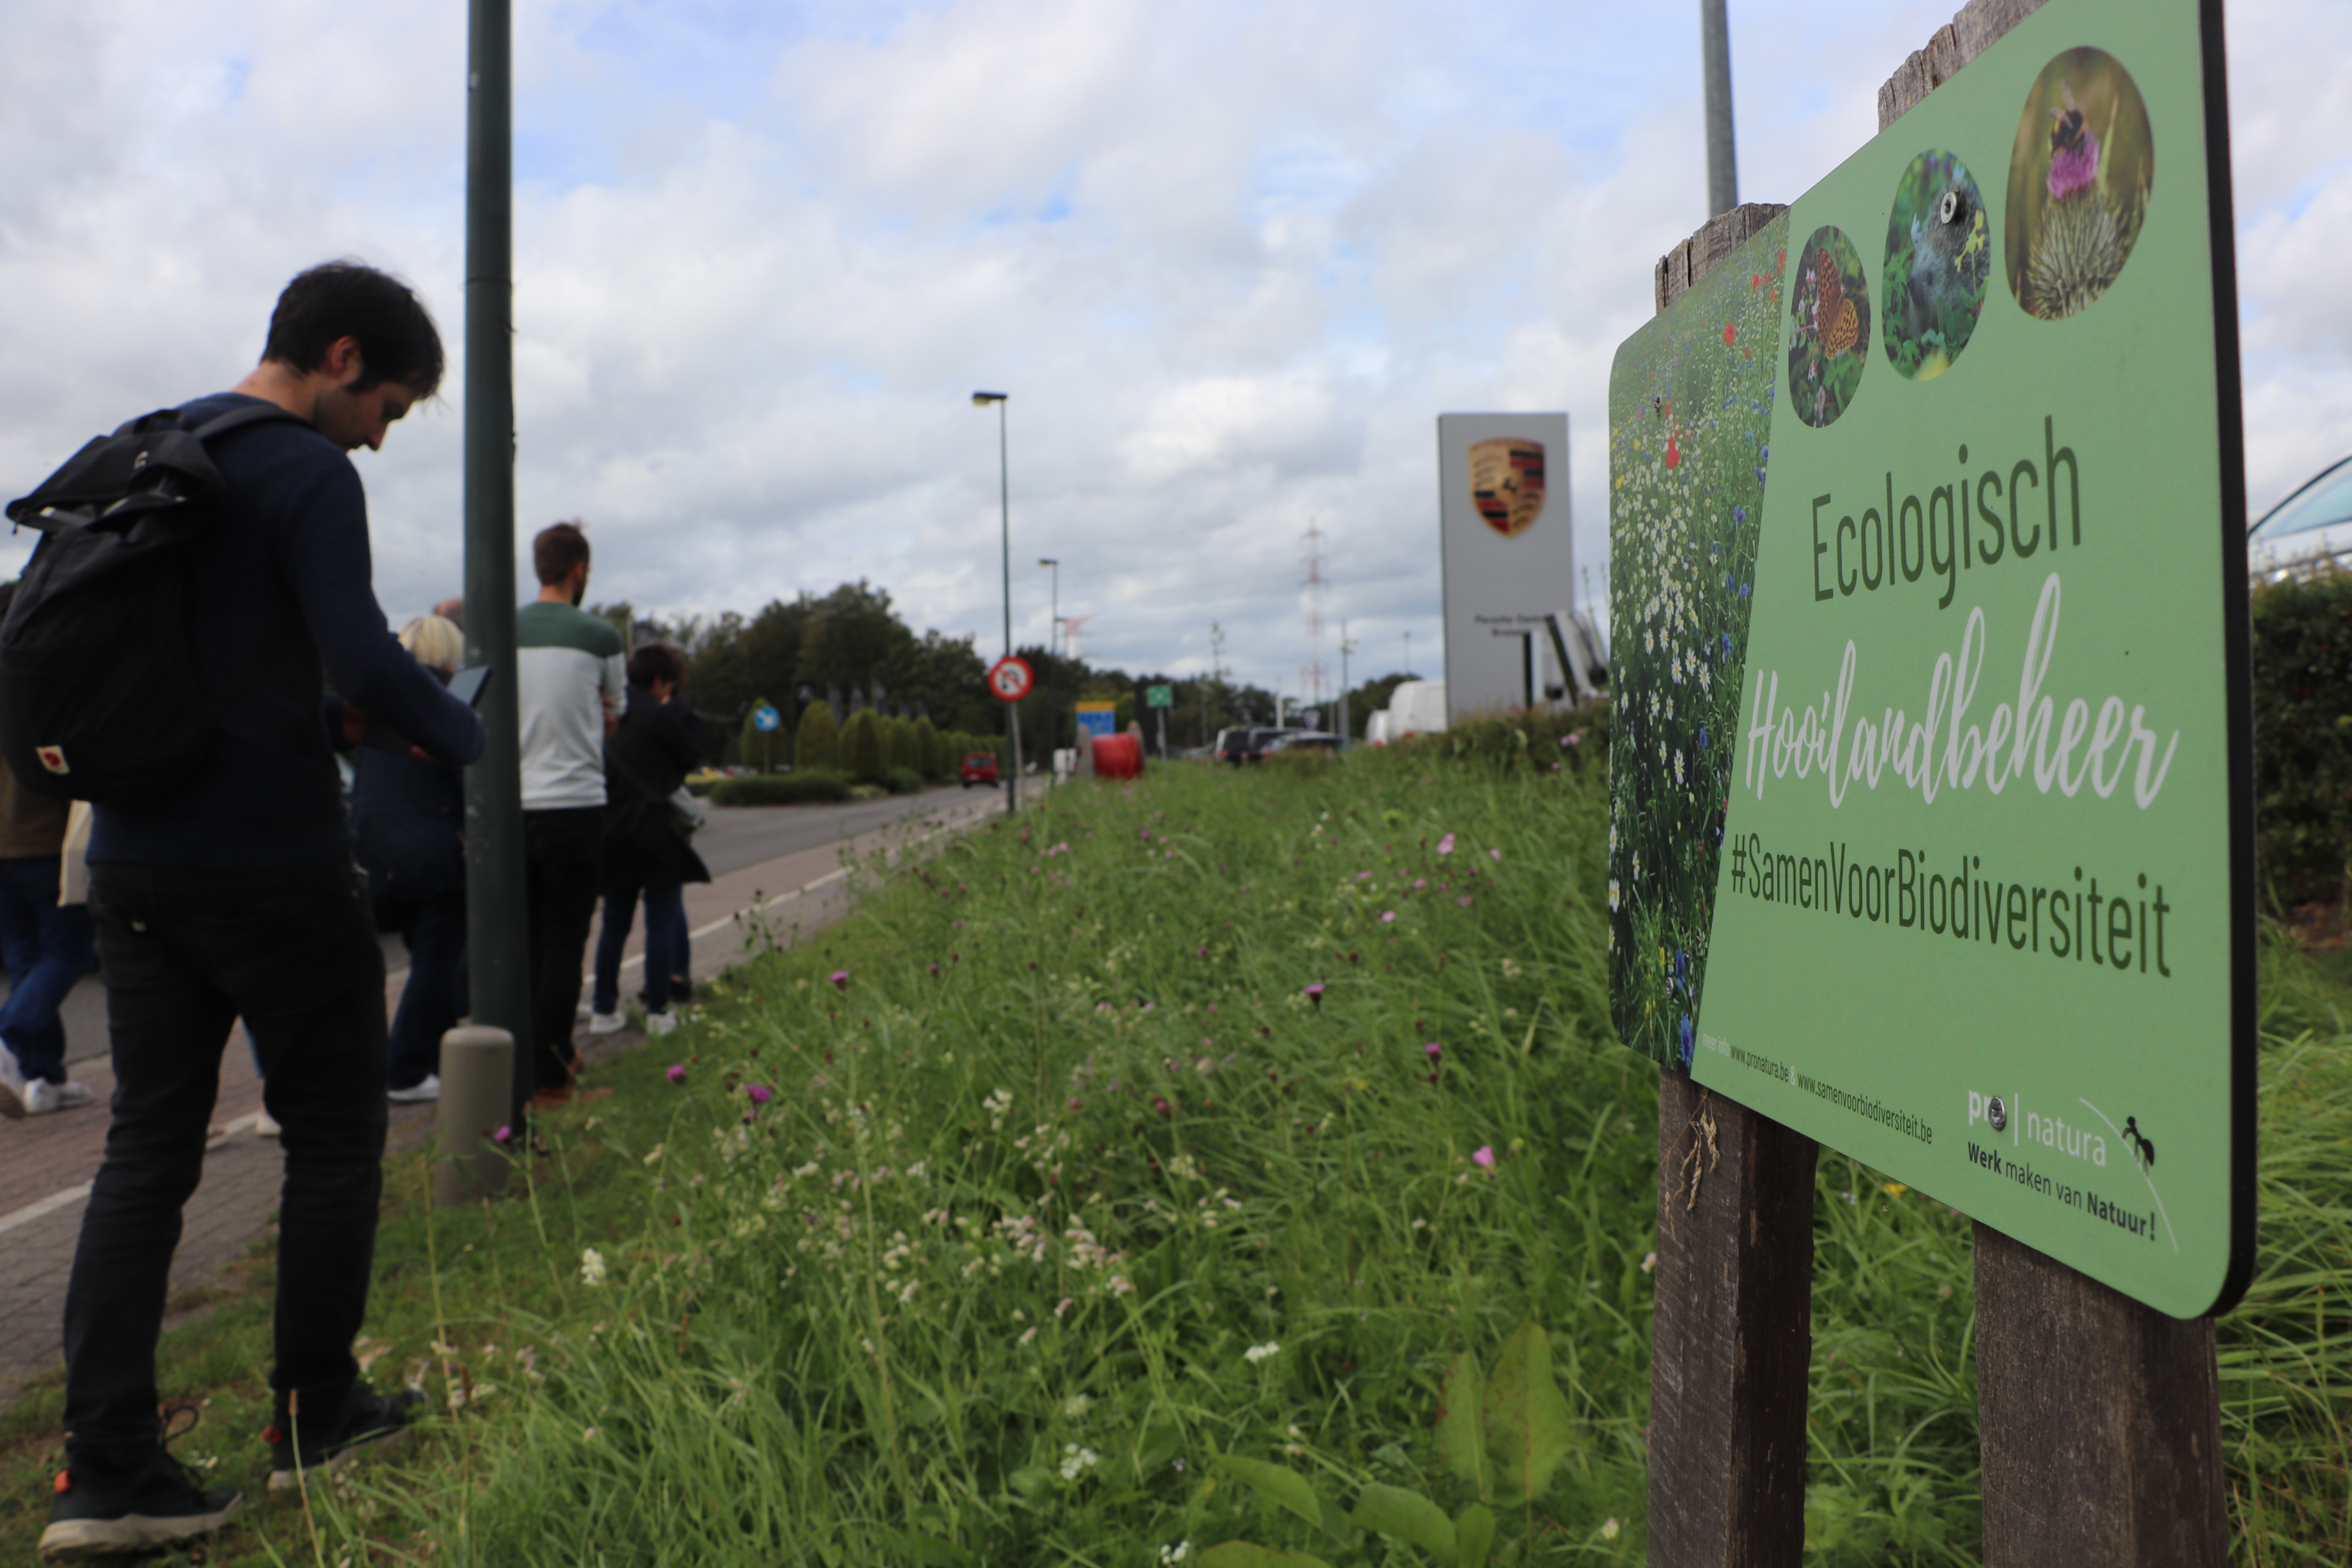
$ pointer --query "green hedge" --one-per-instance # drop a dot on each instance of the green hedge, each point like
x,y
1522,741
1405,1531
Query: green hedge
x,y
2303,737
903,781
1515,740
781,789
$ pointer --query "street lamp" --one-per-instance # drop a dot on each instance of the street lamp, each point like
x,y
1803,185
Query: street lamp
x,y
1053,719
1011,710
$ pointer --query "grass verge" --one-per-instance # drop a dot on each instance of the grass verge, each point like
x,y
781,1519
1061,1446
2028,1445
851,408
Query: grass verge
x,y
1214,1116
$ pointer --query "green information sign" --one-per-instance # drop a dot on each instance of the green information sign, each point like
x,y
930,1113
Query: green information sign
x,y
1158,697
1931,817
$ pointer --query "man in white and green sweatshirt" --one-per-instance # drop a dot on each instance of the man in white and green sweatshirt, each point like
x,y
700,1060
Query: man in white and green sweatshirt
x,y
571,679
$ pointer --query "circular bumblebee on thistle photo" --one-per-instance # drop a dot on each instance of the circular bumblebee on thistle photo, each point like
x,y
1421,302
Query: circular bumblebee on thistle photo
x,y
1829,326
1938,259
2078,183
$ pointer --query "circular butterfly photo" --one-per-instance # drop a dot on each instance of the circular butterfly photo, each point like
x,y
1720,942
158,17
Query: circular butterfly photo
x,y
1828,337
1938,259
2078,183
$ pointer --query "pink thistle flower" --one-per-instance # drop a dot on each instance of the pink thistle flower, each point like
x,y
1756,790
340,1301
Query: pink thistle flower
x,y
1573,738
1432,1051
1484,1156
1315,995
1387,915
1446,845
677,1073
503,1136
1363,876
1495,855
1160,1103
841,980
2073,168
1465,901
758,1093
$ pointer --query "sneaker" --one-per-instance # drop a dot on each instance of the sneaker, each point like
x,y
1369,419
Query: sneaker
x,y
426,1087
660,1023
606,1023
12,1085
158,1507
370,1421
43,1098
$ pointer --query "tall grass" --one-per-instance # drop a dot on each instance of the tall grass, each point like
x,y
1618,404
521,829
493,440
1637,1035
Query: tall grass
x,y
974,1230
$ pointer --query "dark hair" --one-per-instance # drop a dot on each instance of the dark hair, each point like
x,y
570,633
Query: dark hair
x,y
560,548
337,299
655,661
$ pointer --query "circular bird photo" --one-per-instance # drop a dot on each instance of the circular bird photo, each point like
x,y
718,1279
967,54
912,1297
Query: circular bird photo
x,y
1938,259
2078,183
1829,336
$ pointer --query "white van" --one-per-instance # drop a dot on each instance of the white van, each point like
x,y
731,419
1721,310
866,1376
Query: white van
x,y
1416,707
1376,729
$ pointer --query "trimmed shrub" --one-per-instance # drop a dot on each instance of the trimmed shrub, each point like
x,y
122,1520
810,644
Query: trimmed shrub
x,y
862,754
780,789
903,781
899,749
816,743
2303,737
1514,740
930,750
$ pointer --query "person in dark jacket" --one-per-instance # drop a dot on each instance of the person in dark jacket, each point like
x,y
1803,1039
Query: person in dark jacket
x,y
409,814
645,851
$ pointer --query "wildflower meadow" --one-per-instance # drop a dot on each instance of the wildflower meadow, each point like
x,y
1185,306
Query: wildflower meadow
x,y
1222,1166
1690,426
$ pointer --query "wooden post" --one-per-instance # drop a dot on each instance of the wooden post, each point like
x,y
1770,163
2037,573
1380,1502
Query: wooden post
x,y
2100,1419
1732,1339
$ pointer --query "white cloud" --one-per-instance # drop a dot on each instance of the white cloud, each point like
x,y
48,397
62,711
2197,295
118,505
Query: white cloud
x,y
1230,259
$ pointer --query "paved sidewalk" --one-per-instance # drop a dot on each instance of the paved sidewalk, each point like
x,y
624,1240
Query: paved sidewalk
x,y
47,1162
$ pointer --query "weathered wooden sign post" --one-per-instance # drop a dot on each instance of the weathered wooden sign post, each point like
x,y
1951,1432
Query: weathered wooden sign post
x,y
1964,896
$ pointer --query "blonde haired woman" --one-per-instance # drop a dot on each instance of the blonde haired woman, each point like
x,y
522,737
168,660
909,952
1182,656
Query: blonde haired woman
x,y
409,814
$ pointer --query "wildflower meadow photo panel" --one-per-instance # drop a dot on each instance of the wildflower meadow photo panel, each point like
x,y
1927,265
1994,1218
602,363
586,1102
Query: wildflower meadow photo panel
x,y
1930,806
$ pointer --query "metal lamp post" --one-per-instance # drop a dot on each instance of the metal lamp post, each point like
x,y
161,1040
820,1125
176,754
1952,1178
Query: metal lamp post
x,y
1011,710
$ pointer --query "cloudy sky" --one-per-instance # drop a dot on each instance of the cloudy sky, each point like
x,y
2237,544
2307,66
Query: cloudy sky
x,y
1229,256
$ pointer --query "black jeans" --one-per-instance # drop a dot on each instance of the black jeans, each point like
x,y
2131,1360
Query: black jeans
x,y
186,953
563,867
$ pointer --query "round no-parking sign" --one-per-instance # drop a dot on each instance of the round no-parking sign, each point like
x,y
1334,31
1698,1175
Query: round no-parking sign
x,y
1011,678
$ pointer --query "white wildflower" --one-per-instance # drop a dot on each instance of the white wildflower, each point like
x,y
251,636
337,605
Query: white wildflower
x,y
1078,1461
592,1267
1258,1353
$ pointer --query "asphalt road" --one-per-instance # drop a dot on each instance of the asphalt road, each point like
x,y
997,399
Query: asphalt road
x,y
736,836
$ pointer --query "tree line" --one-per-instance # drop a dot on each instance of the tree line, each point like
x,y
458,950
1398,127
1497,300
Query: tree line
x,y
850,651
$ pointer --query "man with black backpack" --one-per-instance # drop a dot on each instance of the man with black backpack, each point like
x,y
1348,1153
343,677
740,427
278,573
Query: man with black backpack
x,y
231,893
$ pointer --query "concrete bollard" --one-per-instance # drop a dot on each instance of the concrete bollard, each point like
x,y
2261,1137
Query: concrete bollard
x,y
477,1096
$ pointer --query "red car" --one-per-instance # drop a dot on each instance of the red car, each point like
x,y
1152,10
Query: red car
x,y
979,767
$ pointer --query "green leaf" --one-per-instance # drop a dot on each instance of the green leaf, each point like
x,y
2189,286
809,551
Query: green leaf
x,y
1248,1554
1474,1531
1288,1489
1461,1442
1409,1517
1529,1428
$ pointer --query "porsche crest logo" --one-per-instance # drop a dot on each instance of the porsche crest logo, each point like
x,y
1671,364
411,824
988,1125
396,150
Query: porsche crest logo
x,y
1506,483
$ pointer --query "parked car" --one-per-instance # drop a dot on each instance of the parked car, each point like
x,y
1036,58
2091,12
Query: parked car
x,y
2311,526
979,767
1246,744
1303,740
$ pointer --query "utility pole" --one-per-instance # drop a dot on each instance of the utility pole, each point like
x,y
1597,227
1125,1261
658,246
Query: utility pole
x,y
1715,48
1346,703
494,863
1408,655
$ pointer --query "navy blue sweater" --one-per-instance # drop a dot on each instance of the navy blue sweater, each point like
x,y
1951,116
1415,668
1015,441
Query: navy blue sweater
x,y
283,584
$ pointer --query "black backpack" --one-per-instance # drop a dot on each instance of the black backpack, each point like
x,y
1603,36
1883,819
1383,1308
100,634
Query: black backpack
x,y
100,698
